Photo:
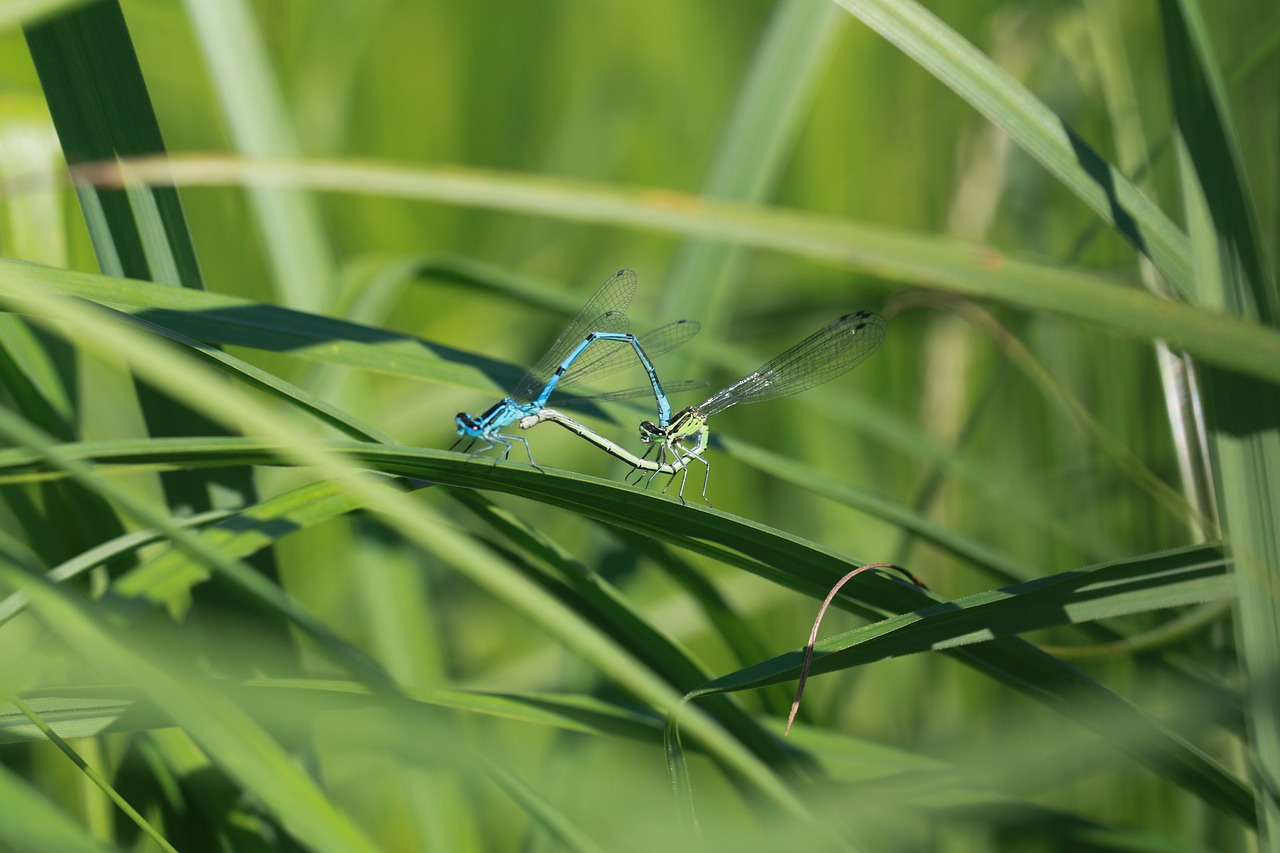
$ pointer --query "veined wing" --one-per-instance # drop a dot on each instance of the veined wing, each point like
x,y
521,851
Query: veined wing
x,y
835,348
604,312
681,387
605,357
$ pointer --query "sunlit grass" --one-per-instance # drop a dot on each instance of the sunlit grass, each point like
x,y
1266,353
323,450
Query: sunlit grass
x,y
274,604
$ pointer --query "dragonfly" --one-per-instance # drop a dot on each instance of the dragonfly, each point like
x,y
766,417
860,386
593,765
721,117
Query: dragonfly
x,y
829,352
593,345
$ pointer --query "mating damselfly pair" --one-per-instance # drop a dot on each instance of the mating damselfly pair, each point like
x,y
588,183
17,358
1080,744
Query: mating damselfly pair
x,y
597,343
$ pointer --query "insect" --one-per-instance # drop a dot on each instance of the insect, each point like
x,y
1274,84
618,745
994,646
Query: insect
x,y
832,350
594,344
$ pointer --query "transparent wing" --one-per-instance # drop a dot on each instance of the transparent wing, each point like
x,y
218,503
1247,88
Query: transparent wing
x,y
604,312
819,358
666,338
680,387
605,357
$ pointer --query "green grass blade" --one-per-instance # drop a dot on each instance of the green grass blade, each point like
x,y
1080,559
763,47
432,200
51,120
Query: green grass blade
x,y
563,833
754,145
678,771
71,716
85,711
100,106
1141,585
105,553
102,110
238,536
1207,129
917,259
608,608
1004,101
224,731
216,318
1131,730
94,776
191,383
28,821
1245,416
292,231
272,385
807,568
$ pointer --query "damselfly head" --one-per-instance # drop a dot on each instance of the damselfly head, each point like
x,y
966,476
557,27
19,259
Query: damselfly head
x,y
466,423
649,431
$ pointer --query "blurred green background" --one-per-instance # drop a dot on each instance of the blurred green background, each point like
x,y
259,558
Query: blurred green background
x,y
985,443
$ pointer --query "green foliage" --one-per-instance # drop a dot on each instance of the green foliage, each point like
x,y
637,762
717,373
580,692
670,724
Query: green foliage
x,y
250,600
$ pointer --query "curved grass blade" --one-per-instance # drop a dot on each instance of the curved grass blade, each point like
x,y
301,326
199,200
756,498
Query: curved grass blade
x,y
218,318
1187,576
290,224
125,543
194,383
101,109
1245,417
31,822
1043,134
91,710
775,555
257,378
755,145
600,601
223,730
94,776
948,265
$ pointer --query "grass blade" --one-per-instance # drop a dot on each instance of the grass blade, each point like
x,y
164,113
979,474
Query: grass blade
x,y
94,776
31,822
945,265
224,731
292,231
754,145
1245,417
1010,106
101,109
807,568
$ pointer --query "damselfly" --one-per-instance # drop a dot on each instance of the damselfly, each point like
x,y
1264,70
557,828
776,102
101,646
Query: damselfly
x,y
617,451
821,357
593,345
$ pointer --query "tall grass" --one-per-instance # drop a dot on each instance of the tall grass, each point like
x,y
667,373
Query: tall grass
x,y
254,602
